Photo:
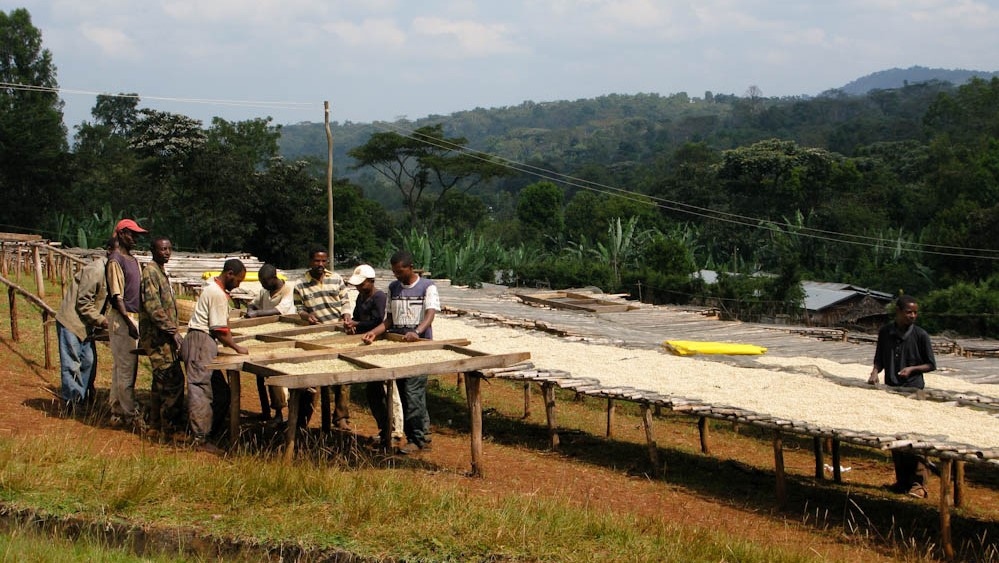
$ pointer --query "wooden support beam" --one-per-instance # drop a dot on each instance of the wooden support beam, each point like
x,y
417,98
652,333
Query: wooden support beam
x,y
291,431
650,439
12,297
836,463
779,468
610,418
473,395
946,540
36,257
265,398
388,388
326,415
703,428
47,322
548,392
819,458
959,484
527,399
234,394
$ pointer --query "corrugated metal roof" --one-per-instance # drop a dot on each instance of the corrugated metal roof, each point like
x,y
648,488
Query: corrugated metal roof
x,y
818,295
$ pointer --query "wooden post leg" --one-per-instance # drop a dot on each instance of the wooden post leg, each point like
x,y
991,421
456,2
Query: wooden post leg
x,y
819,458
527,400
265,398
779,468
292,429
610,418
324,409
649,438
47,339
390,420
946,541
703,428
548,392
836,463
12,297
474,397
459,380
958,484
39,281
234,396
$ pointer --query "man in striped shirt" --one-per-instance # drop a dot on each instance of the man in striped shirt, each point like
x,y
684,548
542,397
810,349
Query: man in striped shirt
x,y
321,297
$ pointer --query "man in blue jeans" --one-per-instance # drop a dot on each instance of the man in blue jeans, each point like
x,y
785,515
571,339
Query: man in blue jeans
x,y
80,315
413,303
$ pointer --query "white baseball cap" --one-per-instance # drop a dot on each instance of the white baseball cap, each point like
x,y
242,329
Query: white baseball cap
x,y
361,273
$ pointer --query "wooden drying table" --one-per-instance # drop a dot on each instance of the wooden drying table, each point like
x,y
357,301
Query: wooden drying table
x,y
468,365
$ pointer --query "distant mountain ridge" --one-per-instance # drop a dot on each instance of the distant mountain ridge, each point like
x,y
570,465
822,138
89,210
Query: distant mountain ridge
x,y
899,77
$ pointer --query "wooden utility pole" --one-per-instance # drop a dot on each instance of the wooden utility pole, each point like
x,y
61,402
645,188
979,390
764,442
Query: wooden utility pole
x,y
329,178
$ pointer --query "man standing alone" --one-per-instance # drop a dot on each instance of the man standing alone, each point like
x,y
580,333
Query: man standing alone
x,y
123,279
905,353
159,336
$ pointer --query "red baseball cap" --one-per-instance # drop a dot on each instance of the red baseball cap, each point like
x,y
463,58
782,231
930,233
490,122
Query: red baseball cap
x,y
128,225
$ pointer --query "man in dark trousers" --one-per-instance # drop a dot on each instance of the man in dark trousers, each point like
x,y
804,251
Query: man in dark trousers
x,y
159,337
413,303
905,353
124,280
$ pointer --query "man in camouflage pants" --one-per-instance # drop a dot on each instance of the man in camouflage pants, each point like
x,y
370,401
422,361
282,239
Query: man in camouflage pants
x,y
159,337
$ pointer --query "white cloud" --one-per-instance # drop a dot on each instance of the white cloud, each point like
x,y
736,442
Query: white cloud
x,y
370,32
467,38
112,42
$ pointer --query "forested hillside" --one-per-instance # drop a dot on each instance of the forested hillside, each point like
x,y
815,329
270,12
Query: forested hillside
x,y
897,190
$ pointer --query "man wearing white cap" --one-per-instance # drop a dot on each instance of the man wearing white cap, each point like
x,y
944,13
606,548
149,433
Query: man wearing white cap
x,y
369,312
124,281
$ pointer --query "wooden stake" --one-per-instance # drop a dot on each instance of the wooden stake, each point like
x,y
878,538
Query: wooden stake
x,y
819,458
779,468
329,179
548,392
39,281
649,438
388,387
265,398
234,398
946,541
11,296
47,338
958,484
527,400
703,427
837,465
324,408
474,397
291,430
610,418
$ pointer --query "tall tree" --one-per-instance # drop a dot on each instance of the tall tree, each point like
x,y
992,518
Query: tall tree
x,y
32,137
425,163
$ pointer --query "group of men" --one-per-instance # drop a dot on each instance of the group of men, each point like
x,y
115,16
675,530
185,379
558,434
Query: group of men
x,y
138,309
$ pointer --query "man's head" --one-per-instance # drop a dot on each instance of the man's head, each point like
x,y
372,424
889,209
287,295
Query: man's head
x,y
125,231
402,267
269,279
233,273
161,248
363,278
318,260
906,311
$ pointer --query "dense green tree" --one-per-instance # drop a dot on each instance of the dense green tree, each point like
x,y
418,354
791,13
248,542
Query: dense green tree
x,y
425,164
33,160
540,213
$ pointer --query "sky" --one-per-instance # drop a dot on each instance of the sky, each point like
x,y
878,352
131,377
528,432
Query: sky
x,y
389,59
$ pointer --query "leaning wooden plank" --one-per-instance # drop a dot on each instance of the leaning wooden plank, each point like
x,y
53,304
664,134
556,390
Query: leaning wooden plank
x,y
381,374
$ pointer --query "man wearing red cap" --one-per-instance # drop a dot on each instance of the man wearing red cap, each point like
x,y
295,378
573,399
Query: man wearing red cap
x,y
124,282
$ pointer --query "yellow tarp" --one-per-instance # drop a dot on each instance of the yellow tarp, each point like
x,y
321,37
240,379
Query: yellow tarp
x,y
250,276
692,347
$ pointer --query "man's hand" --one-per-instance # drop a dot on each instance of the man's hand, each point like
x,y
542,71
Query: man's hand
x,y
240,349
411,336
368,337
349,326
133,330
873,379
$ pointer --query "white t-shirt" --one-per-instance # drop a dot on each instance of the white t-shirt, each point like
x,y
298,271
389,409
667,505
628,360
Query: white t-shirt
x,y
283,300
211,310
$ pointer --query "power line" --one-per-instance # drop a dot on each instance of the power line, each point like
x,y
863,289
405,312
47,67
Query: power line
x,y
259,104
680,207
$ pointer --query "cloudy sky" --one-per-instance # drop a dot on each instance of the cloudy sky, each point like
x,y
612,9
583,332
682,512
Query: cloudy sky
x,y
383,59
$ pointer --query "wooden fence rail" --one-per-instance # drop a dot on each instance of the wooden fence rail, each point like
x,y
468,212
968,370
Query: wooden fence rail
x,y
48,316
